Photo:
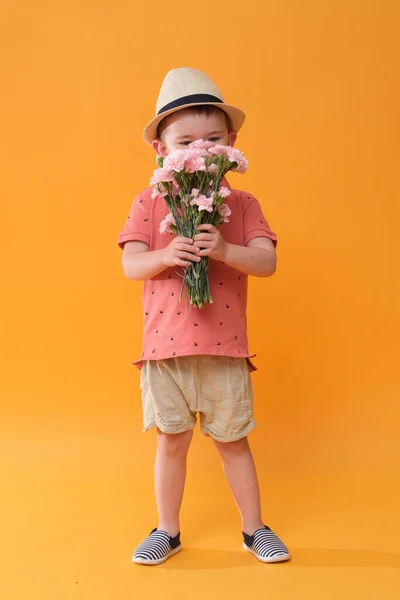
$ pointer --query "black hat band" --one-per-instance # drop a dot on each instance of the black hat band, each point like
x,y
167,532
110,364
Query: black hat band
x,y
192,99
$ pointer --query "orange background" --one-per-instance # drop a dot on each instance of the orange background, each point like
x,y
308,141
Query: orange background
x,y
318,81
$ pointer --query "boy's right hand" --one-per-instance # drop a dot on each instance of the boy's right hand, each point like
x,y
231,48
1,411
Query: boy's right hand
x,y
180,252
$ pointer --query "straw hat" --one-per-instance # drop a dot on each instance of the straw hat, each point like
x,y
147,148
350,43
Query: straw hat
x,y
187,87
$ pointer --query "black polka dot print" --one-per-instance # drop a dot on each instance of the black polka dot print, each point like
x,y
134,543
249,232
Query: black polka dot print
x,y
232,303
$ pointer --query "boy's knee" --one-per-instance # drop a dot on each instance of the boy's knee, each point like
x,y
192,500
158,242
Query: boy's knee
x,y
174,443
232,448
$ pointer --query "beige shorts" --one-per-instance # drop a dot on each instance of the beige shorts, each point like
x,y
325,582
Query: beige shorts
x,y
219,388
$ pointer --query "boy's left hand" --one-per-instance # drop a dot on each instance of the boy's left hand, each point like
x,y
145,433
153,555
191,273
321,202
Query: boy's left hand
x,y
211,241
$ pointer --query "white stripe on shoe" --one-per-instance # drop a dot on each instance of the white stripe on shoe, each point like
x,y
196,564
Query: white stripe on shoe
x,y
156,548
266,546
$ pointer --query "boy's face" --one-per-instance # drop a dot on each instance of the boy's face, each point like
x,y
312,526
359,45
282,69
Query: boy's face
x,y
184,127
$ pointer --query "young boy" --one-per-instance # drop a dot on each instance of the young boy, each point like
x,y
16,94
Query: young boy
x,y
197,361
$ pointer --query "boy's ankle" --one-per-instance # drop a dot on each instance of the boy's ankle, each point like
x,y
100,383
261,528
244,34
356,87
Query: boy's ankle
x,y
251,527
172,529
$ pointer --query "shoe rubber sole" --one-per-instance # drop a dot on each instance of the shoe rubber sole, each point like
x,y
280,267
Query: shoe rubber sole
x,y
159,561
273,559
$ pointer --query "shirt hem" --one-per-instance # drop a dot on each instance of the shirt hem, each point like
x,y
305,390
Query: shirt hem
x,y
246,355
133,237
260,233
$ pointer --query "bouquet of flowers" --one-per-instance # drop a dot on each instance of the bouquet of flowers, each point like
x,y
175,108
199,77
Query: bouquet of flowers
x,y
190,180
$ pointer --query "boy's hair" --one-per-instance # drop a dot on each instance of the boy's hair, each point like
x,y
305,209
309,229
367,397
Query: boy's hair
x,y
202,109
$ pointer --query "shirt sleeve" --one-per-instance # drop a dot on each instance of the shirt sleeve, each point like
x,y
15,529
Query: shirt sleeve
x,y
254,221
137,225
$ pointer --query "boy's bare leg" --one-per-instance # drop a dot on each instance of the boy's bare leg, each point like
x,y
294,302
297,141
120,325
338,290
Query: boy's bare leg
x,y
241,473
169,477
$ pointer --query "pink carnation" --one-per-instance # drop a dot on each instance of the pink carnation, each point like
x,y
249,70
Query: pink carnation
x,y
224,192
238,157
201,201
169,220
225,212
212,168
201,144
158,192
160,175
176,160
218,150
195,161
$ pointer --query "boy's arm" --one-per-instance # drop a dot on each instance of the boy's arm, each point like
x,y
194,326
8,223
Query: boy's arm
x,y
258,258
139,263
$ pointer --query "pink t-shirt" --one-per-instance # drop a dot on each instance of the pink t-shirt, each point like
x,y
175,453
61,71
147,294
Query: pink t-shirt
x,y
173,328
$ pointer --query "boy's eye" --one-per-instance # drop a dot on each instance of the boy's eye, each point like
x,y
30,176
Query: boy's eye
x,y
212,139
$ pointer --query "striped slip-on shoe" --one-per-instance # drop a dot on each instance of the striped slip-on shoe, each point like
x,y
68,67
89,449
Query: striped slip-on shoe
x,y
156,548
266,546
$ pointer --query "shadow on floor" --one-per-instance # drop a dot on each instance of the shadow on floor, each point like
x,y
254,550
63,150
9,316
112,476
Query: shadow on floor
x,y
203,559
